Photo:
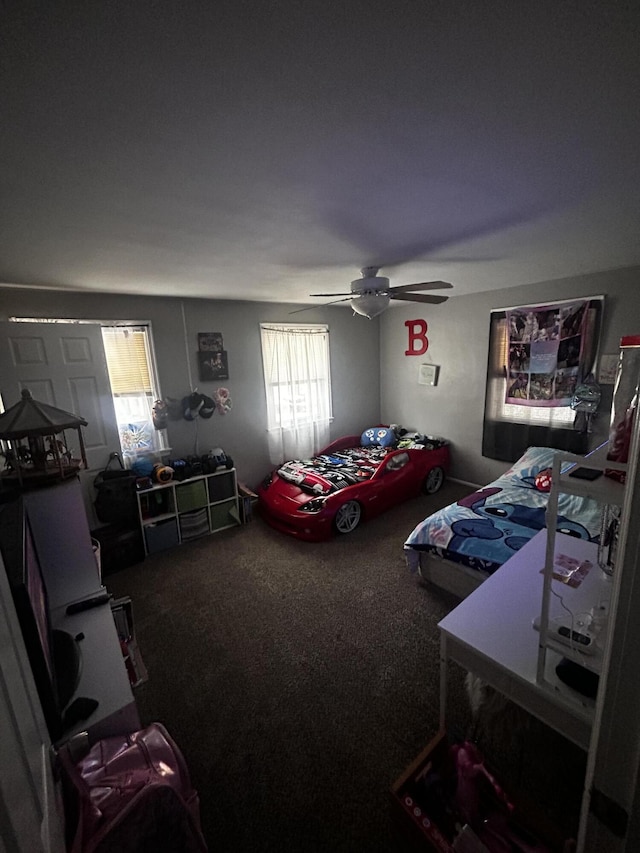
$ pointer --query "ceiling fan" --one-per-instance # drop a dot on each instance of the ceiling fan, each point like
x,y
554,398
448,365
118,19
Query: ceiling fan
x,y
370,295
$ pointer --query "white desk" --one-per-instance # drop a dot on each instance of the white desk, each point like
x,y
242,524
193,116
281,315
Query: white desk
x,y
103,675
490,633
61,534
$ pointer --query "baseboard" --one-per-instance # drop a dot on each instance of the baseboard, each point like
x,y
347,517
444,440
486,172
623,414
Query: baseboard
x,y
474,486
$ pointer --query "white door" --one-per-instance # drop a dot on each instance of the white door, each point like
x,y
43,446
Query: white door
x,y
62,364
29,819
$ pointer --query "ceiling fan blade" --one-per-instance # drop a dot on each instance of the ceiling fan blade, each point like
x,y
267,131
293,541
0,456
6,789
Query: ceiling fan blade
x,y
419,297
347,293
421,285
310,307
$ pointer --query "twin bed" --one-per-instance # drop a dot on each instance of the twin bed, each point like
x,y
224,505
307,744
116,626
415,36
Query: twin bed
x,y
459,546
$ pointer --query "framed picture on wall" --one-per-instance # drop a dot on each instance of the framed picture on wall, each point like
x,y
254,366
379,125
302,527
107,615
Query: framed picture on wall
x,y
210,342
607,369
428,374
213,365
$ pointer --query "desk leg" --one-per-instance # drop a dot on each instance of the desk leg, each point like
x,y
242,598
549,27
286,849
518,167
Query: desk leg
x,y
443,682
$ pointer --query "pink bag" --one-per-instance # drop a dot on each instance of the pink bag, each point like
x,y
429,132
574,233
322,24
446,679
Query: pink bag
x,y
131,793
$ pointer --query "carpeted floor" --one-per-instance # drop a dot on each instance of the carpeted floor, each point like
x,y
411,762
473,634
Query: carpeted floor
x,y
299,679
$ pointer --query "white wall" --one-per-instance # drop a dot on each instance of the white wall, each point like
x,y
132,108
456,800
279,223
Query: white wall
x,y
242,433
372,378
458,333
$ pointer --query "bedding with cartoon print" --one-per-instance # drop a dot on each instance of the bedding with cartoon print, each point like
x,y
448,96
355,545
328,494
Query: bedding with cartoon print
x,y
322,475
484,529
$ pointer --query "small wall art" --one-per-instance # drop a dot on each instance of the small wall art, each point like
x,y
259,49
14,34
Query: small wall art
x,y
418,340
607,369
428,374
210,342
213,363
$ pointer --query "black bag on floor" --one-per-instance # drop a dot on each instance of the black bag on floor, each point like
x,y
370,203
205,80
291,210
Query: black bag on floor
x,y
115,501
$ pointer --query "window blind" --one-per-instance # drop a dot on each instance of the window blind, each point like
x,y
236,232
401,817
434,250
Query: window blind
x,y
127,360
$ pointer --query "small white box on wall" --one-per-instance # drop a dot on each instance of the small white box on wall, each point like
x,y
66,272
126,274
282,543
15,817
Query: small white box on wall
x,y
428,374
607,369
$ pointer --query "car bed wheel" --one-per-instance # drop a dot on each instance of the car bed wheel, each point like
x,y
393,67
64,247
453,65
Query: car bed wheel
x,y
348,517
433,481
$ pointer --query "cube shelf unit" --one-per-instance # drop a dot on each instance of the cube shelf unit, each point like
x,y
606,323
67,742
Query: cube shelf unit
x,y
182,510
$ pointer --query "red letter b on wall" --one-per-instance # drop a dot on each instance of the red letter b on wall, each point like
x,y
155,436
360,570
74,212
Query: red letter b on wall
x,y
418,341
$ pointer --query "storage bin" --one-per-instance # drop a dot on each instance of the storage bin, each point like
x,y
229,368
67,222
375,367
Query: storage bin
x,y
162,535
224,515
222,486
191,495
194,524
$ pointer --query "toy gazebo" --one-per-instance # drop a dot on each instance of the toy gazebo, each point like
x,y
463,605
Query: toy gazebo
x,y
34,444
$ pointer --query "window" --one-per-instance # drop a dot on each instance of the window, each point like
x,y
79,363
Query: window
x,y
134,388
297,380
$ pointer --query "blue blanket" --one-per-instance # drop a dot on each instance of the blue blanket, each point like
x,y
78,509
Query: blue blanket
x,y
488,526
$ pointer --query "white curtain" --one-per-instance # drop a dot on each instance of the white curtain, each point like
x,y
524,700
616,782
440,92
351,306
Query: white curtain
x,y
298,389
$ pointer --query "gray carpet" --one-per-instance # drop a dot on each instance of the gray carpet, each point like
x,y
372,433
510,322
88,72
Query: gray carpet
x,y
299,679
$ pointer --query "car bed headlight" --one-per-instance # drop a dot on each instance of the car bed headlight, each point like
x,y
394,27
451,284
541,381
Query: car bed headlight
x,y
314,505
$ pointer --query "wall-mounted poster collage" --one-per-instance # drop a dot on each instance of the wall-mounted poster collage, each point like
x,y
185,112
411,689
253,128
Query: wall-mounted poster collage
x,y
212,357
546,344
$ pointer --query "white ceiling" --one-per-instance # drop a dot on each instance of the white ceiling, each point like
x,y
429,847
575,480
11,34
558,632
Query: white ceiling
x,y
268,150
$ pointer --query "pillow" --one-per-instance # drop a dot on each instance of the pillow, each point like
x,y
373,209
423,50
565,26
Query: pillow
x,y
381,436
533,461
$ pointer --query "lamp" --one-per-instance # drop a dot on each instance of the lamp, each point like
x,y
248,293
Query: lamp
x,y
370,303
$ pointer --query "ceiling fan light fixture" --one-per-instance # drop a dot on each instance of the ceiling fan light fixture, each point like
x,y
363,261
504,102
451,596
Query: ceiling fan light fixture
x,y
370,304
369,283
370,295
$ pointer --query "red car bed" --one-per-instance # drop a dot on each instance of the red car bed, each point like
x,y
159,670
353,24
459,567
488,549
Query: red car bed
x,y
353,479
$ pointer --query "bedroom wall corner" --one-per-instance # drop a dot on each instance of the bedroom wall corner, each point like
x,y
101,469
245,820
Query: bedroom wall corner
x,y
458,335
354,345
